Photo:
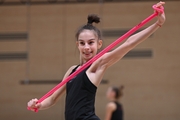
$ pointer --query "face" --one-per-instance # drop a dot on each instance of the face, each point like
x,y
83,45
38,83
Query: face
x,y
110,93
88,44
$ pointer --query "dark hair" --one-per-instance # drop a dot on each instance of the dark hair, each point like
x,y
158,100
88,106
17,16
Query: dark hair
x,y
118,91
89,26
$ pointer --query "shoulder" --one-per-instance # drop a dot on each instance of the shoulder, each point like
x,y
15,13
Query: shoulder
x,y
101,63
111,106
72,67
70,70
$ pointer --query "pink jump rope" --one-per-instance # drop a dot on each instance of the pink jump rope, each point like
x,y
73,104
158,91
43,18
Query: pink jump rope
x,y
108,48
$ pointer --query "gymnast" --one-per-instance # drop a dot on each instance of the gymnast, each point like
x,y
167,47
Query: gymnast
x,y
114,109
81,90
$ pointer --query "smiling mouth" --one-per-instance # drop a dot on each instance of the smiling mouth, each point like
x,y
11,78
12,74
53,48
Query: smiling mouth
x,y
87,54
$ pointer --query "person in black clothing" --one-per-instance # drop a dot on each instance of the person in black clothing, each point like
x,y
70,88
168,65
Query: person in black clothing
x,y
114,109
81,90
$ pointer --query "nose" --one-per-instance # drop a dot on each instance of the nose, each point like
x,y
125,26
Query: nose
x,y
86,46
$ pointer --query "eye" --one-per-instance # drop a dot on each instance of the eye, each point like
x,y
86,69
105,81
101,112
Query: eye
x,y
81,43
91,42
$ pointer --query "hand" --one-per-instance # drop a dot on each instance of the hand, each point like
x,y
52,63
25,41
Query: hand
x,y
161,16
32,104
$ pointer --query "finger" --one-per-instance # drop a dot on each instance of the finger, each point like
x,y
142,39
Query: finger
x,y
34,102
38,105
160,4
35,99
30,103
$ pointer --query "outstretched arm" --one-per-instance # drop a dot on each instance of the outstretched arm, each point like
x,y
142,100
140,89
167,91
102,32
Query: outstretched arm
x,y
97,69
115,55
51,100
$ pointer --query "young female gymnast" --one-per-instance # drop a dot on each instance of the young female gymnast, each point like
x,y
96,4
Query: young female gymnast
x,y
81,90
114,109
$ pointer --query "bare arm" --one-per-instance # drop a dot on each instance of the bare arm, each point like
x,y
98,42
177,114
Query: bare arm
x,y
51,100
115,55
110,108
97,69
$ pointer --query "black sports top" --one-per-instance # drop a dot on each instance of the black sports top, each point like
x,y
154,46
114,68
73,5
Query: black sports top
x,y
80,98
118,113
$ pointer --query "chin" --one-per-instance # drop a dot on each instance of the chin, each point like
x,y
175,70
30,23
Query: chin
x,y
88,58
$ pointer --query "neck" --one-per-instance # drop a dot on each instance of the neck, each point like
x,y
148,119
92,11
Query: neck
x,y
82,62
114,99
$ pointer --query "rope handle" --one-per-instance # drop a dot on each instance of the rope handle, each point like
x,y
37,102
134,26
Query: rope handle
x,y
158,9
35,109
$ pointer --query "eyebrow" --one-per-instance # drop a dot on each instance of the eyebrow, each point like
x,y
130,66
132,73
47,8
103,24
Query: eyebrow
x,y
87,40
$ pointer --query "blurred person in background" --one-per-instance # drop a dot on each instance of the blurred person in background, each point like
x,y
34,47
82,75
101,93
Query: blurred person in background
x,y
114,109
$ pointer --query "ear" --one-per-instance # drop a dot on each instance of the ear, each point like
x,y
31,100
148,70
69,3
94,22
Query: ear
x,y
77,44
100,42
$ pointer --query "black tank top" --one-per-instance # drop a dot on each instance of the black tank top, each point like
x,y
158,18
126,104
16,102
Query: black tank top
x,y
118,113
80,98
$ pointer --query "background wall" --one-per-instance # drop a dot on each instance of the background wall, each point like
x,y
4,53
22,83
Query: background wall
x,y
37,44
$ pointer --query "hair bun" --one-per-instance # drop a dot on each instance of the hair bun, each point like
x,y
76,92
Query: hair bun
x,y
93,18
121,87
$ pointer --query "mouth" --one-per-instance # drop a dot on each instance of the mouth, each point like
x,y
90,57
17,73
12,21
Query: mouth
x,y
87,54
